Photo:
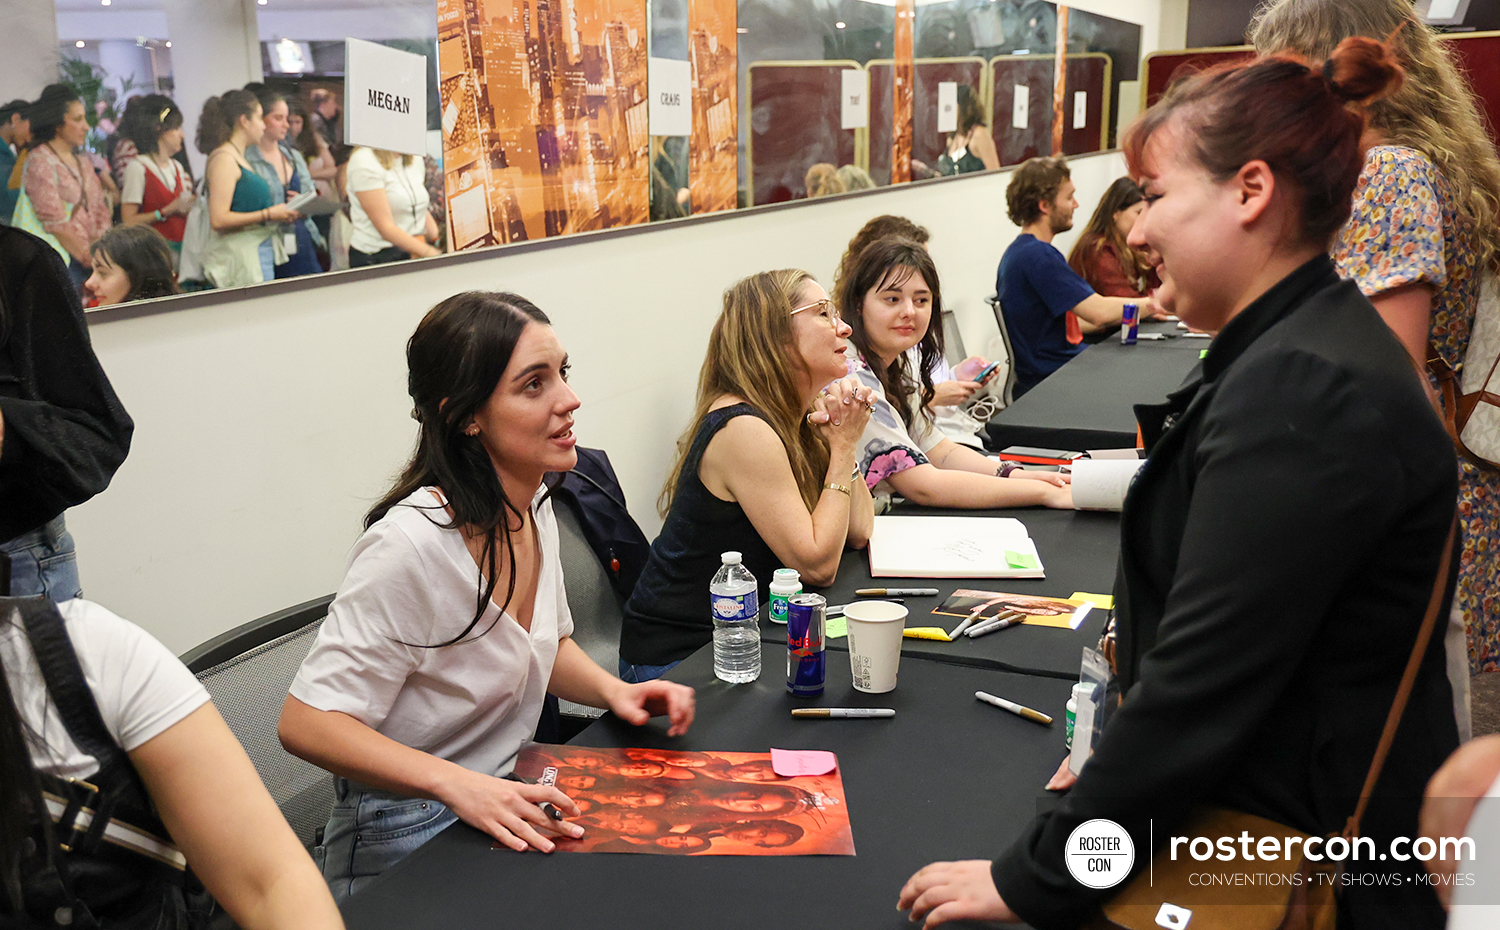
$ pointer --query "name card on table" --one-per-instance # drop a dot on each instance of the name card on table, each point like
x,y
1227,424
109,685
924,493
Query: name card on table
x,y
670,84
385,98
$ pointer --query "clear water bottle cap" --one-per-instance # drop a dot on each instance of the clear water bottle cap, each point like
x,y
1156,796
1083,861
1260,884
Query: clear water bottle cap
x,y
730,558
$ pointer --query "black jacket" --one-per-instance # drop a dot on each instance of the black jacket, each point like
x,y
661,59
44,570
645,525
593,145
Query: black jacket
x,y
1278,551
65,430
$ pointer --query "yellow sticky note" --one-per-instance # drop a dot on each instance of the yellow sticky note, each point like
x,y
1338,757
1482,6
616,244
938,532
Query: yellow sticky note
x,y
927,632
1102,601
835,627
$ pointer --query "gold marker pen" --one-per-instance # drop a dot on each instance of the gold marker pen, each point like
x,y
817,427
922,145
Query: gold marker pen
x,y
1035,716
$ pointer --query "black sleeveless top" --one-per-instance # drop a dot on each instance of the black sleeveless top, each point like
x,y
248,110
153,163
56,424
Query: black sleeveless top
x,y
667,617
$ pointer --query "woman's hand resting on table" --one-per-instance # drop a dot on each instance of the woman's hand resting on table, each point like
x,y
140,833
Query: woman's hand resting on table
x,y
945,891
638,703
509,811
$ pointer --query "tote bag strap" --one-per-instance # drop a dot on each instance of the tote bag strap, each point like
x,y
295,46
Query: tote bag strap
x,y
1408,680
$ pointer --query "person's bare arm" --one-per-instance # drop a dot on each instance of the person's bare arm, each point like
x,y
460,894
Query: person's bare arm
x,y
982,144
234,837
223,175
1100,311
578,678
1408,312
377,206
508,811
747,461
932,486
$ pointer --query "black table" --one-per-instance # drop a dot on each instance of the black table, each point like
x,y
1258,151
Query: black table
x,y
1079,550
1089,403
947,778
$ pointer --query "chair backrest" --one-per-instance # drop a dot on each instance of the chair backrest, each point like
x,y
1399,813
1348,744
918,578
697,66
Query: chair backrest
x,y
953,339
1008,393
247,671
596,608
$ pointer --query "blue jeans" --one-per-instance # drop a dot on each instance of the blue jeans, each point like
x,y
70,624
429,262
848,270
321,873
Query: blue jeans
x,y
267,260
368,832
43,562
635,674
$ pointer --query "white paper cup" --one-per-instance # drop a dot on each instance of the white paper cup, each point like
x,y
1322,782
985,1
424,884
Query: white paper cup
x,y
875,629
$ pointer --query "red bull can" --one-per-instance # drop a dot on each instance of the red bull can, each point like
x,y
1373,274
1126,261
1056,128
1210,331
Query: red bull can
x,y
804,644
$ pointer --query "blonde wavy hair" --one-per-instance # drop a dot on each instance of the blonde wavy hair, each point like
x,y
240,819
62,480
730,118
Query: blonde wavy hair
x,y
1434,111
751,355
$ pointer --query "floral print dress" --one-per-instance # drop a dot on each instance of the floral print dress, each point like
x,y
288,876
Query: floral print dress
x,y
887,446
1406,229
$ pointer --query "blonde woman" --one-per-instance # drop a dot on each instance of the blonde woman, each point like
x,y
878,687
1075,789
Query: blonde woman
x,y
767,466
388,205
1426,223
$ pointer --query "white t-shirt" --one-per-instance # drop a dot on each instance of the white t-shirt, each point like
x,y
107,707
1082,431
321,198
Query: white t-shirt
x,y
412,582
134,188
405,187
141,689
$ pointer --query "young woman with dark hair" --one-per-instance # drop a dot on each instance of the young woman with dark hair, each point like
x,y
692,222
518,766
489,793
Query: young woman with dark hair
x,y
160,733
893,304
970,147
155,188
1102,257
130,263
1304,457
764,467
65,194
285,172
452,624
245,217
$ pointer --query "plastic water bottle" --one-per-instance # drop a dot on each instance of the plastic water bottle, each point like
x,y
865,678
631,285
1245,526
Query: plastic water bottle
x,y
736,613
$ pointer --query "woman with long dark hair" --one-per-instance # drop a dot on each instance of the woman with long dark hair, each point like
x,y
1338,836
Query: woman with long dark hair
x,y
66,197
970,147
893,303
155,187
285,172
1279,549
1102,257
764,467
130,263
451,624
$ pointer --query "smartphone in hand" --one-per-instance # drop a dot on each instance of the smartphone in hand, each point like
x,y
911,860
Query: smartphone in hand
x,y
989,372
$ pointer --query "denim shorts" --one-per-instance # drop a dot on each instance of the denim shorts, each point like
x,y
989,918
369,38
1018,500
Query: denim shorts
x,y
43,561
635,674
369,831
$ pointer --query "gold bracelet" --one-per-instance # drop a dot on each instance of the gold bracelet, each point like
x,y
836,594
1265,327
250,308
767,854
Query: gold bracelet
x,y
830,486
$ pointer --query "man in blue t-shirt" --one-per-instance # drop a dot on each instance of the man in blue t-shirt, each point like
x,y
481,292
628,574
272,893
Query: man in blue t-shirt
x,y
1036,287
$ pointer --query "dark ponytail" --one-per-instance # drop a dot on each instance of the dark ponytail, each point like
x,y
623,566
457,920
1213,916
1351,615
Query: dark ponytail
x,y
221,115
454,361
1301,119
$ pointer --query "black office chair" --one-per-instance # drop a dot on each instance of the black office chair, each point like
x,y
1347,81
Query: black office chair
x,y
247,671
1007,393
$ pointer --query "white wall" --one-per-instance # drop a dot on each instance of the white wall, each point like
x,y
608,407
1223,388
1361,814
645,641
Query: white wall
x,y
269,418
29,61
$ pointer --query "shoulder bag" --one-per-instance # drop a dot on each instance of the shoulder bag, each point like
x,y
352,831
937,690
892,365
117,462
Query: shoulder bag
x,y
1297,895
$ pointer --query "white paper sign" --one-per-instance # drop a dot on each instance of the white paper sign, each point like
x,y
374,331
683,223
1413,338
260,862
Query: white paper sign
x,y
385,98
670,84
1080,108
856,99
947,106
1018,113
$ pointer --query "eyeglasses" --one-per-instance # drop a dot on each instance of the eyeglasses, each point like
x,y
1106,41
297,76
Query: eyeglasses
x,y
822,306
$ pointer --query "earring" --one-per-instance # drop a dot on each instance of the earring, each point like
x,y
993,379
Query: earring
x,y
472,430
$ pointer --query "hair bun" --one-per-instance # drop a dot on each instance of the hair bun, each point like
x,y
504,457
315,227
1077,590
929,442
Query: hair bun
x,y
1362,70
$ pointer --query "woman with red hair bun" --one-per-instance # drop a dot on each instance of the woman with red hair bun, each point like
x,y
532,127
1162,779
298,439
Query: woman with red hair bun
x,y
1280,545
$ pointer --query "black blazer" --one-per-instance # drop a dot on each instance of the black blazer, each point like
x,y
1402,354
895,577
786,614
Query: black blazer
x,y
1278,551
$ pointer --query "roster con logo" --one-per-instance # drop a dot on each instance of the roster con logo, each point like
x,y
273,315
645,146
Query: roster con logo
x,y
1249,848
1100,853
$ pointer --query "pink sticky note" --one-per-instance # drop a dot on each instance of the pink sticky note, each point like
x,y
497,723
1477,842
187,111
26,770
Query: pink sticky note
x,y
792,762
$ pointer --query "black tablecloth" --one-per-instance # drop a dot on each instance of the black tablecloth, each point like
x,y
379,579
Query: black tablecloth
x,y
1089,403
947,778
1079,550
